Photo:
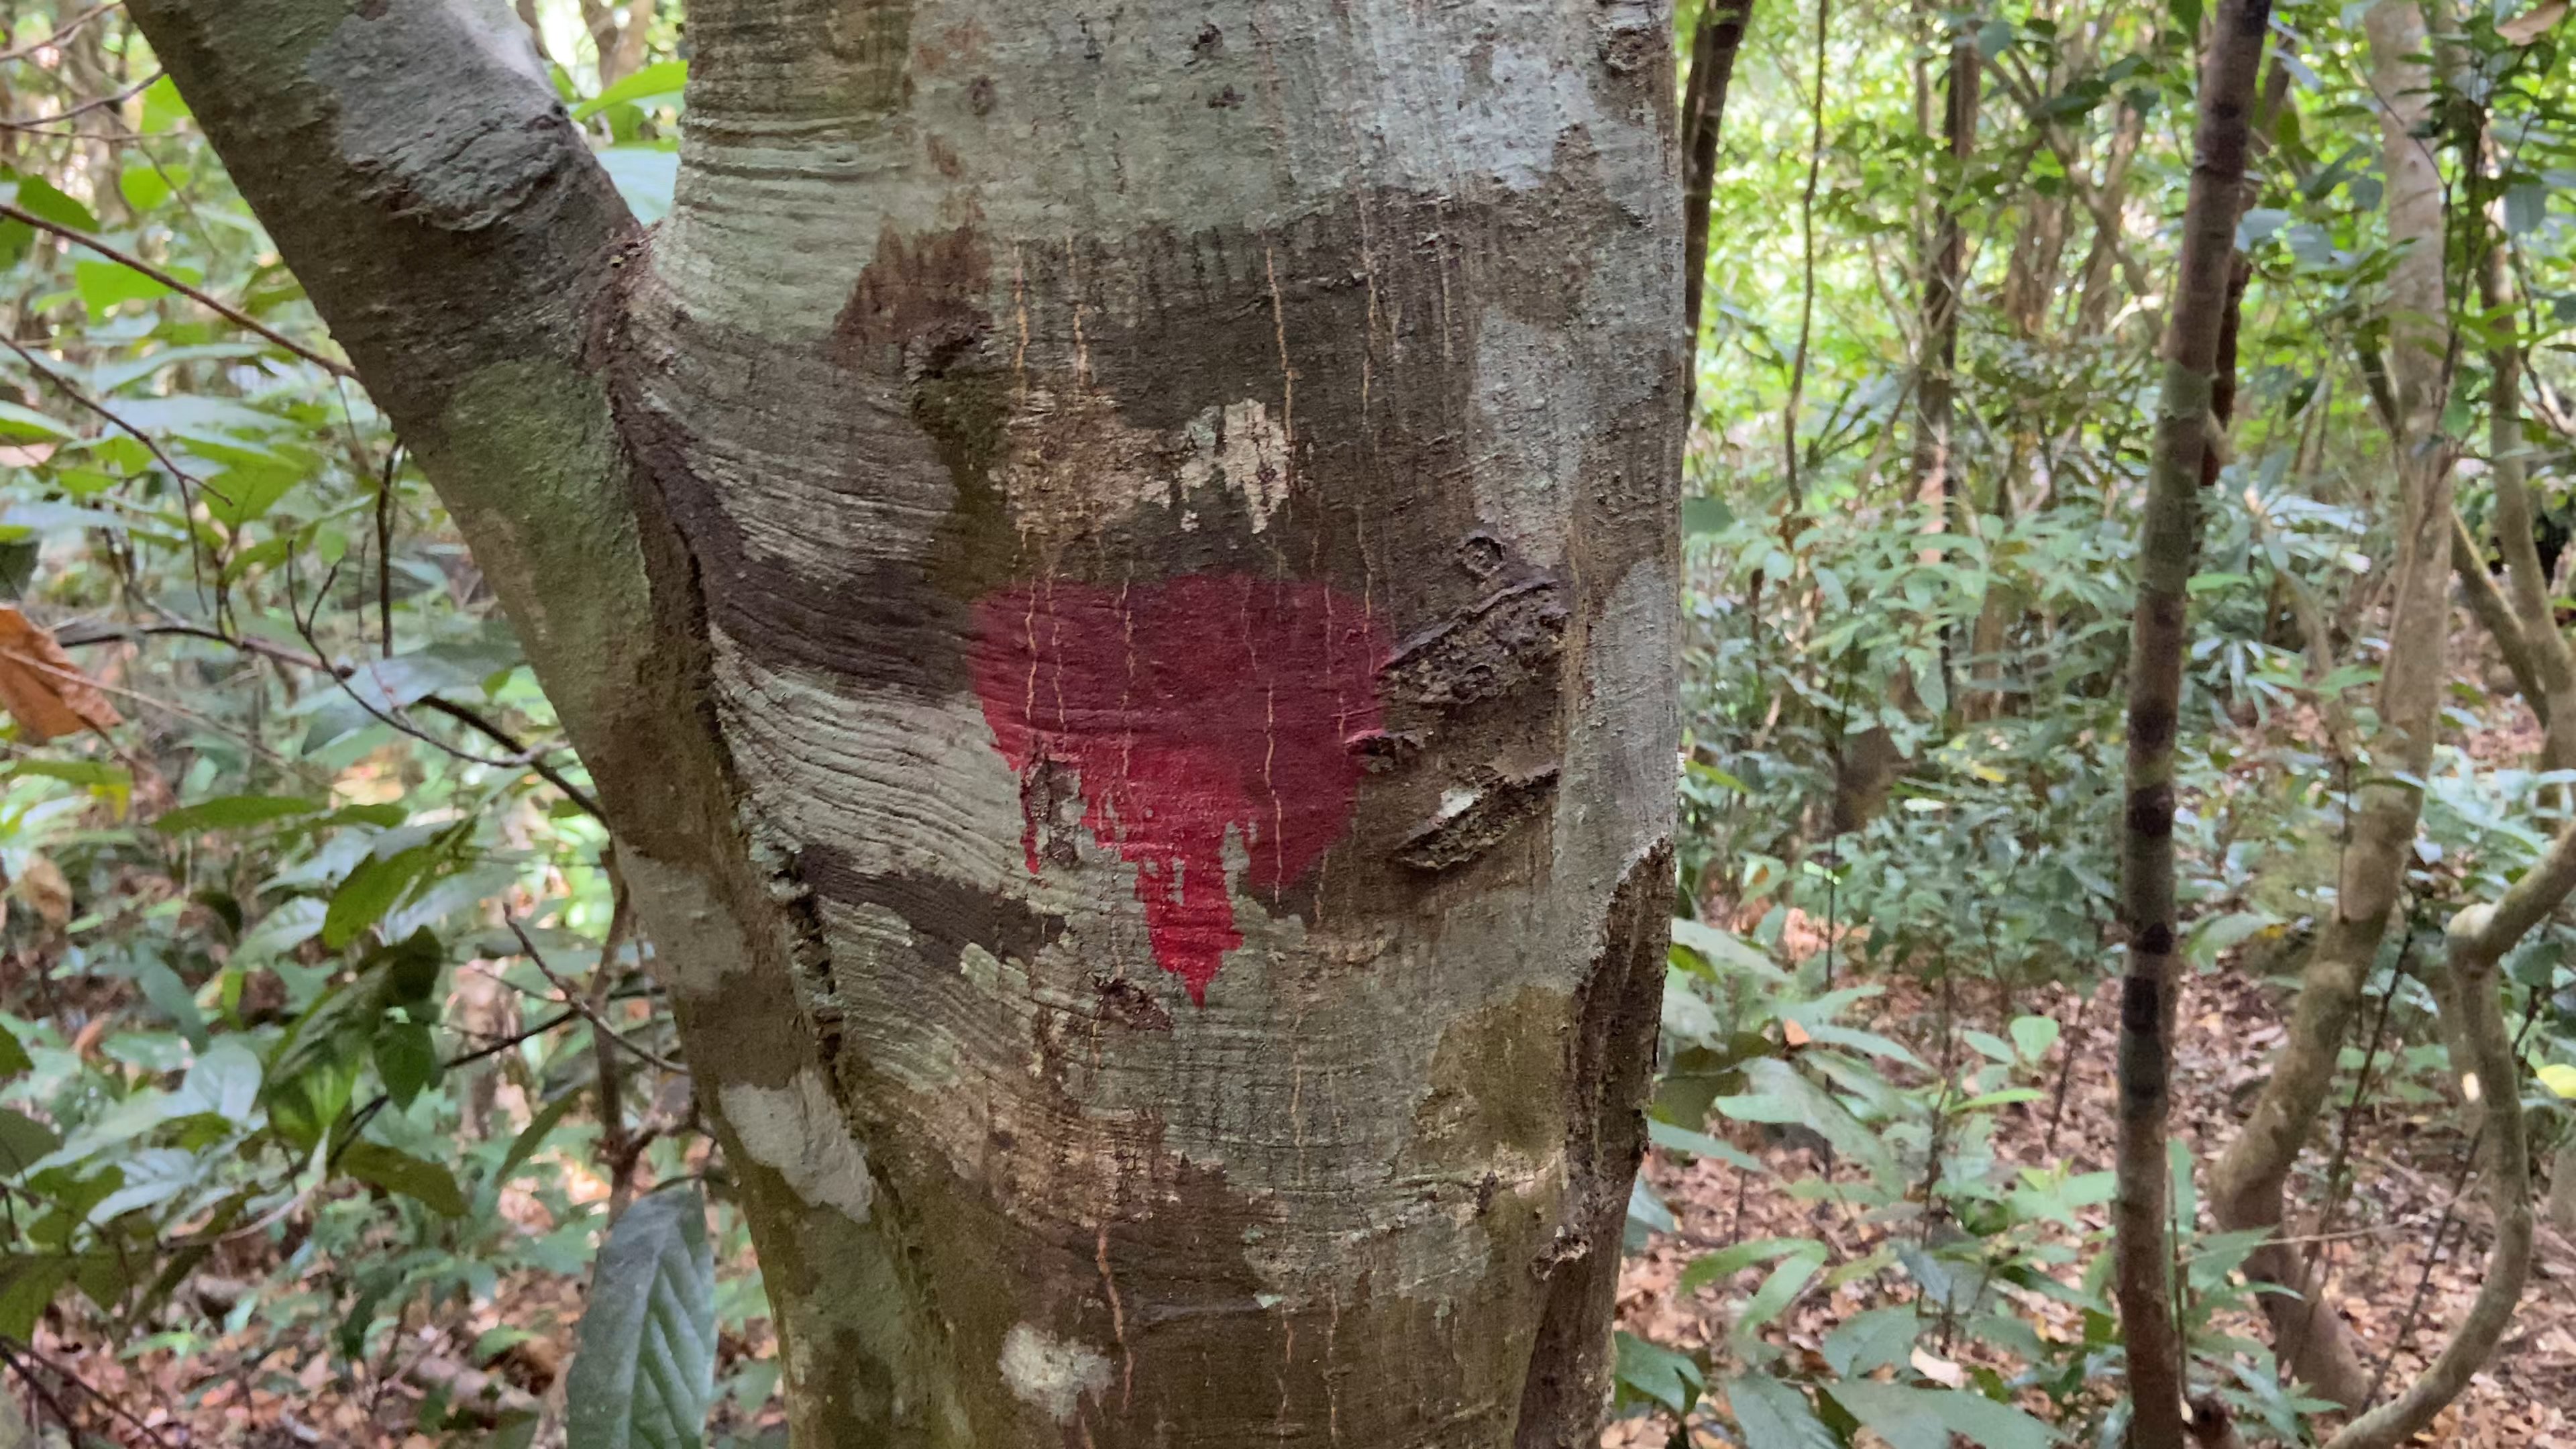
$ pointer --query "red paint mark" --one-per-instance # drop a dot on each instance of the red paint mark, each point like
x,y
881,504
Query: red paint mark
x,y
1187,708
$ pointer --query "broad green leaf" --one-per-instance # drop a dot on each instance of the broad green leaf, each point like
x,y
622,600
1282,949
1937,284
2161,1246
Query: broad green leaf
x,y
1724,950
1702,517
13,1056
104,284
369,892
649,86
162,108
644,1374
42,198
1781,1095
2034,1035
2558,1077
1774,1415
1867,1342
1779,1289
27,1284
1654,1372
407,1060
534,1135
233,812
1699,1144
21,424
397,1171
23,1142
1735,1257
1912,1418
224,1082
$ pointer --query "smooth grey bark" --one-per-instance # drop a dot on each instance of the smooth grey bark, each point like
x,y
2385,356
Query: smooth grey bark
x,y
1115,573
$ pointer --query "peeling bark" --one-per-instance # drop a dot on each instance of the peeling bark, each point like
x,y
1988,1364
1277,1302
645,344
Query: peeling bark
x,y
1116,575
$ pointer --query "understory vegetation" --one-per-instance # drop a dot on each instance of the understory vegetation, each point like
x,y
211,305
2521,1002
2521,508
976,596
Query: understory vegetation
x,y
339,1104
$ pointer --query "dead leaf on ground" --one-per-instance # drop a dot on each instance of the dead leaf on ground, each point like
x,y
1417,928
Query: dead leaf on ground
x,y
40,686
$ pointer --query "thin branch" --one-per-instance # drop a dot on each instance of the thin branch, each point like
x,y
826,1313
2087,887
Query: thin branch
x,y
38,124
131,262
62,31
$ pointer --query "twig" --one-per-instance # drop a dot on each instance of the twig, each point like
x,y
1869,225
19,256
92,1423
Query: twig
x,y
62,31
134,263
597,1022
98,103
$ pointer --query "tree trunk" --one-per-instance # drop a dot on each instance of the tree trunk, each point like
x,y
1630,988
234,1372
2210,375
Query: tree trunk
x,y
2246,1186
1116,576
1715,42
2169,539
1944,275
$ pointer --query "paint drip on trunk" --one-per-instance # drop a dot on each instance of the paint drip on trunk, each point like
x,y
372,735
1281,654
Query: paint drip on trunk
x,y
1186,709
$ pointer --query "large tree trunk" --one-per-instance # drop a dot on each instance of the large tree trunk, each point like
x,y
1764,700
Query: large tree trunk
x,y
1116,576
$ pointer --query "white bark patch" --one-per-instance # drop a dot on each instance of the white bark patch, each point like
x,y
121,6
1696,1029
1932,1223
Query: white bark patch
x,y
1051,1373
1077,466
797,1130
1241,447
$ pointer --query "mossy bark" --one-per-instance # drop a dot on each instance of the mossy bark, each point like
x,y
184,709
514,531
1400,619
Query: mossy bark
x,y
1116,576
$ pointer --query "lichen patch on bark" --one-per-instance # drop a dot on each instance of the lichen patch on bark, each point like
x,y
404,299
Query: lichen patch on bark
x,y
1049,1373
798,1132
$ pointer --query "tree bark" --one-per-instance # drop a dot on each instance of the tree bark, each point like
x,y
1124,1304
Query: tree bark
x,y
2246,1186
1944,275
1715,42
1116,576
2169,537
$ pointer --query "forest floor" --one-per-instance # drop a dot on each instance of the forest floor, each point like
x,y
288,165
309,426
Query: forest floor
x,y
261,1390
2404,1161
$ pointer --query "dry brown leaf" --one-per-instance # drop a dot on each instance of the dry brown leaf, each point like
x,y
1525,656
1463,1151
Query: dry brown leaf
x,y
40,686
2533,23
40,884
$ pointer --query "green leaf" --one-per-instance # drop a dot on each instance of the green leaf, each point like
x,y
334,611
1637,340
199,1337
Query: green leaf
x,y
2558,1077
143,185
369,892
1699,1144
645,1371
14,1058
1867,1342
233,812
1651,1371
171,997
1702,517
1911,1418
43,199
1735,1257
1781,1095
104,284
394,1170
407,1060
2034,1035
19,424
533,1136
23,1142
27,1284
162,108
646,87
1778,1291
1724,950
1774,1415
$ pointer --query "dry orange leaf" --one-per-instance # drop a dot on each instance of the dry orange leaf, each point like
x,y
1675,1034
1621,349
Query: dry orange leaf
x,y
1793,1035
40,686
